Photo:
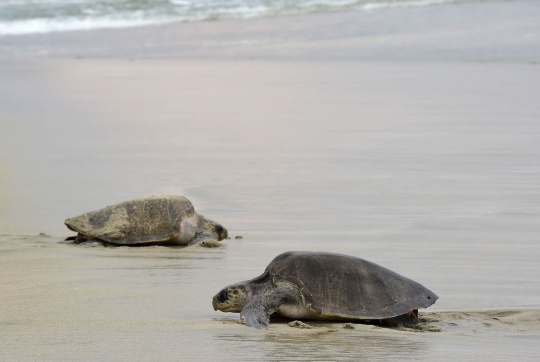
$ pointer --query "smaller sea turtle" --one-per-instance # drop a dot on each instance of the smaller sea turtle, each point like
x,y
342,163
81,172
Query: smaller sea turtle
x,y
158,219
324,286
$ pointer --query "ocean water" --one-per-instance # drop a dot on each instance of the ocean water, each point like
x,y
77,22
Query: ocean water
x,y
44,16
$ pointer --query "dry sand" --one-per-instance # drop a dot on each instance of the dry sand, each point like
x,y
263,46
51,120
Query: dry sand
x,y
64,302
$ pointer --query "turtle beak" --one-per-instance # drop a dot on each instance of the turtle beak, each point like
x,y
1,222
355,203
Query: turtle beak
x,y
215,303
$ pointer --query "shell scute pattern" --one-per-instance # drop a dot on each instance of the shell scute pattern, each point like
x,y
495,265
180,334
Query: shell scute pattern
x,y
349,287
147,220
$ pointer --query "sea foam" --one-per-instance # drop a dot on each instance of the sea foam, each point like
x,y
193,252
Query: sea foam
x,y
19,17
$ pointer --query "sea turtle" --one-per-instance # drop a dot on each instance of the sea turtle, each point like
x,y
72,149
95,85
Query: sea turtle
x,y
156,219
324,286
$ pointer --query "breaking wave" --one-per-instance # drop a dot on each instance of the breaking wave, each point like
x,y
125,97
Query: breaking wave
x,y
44,16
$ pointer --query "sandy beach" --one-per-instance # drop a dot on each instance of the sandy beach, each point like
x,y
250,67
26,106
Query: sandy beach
x,y
63,302
405,136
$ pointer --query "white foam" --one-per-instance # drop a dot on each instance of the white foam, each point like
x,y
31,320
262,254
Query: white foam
x,y
96,14
412,3
36,26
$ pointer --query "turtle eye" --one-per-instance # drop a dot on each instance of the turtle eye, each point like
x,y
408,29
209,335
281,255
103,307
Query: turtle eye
x,y
219,229
222,296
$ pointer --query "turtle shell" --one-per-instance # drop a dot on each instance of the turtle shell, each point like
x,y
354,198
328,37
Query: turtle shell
x,y
342,286
140,221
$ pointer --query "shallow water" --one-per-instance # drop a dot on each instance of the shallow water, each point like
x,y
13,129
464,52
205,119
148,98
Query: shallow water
x,y
462,31
428,169
30,17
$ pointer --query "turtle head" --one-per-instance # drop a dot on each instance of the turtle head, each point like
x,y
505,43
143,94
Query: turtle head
x,y
231,299
217,229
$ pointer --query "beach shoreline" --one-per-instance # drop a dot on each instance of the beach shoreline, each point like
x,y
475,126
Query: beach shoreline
x,y
408,137
494,31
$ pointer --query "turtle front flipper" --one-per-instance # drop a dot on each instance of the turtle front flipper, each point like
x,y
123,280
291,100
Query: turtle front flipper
x,y
202,235
258,311
216,229
208,233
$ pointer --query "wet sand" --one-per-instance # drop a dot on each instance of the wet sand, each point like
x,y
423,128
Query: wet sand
x,y
63,302
427,169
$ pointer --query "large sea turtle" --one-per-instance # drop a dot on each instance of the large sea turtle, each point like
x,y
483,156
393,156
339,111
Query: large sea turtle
x,y
156,219
327,286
